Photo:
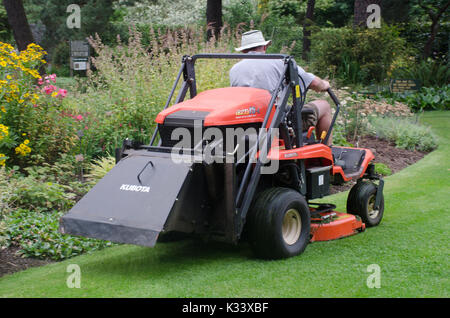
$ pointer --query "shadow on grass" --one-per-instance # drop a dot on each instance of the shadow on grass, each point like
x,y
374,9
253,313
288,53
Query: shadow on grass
x,y
167,258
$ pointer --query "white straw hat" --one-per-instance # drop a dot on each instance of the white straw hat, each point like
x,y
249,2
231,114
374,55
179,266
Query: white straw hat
x,y
252,39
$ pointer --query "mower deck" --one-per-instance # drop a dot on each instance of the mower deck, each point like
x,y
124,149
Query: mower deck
x,y
332,225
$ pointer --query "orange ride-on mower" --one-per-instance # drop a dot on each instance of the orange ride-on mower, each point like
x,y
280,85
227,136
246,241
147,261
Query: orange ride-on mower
x,y
232,163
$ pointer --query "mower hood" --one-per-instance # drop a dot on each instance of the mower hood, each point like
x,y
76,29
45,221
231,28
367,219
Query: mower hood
x,y
222,106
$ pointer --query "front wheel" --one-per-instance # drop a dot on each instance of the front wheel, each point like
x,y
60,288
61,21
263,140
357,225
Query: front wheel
x,y
279,223
361,202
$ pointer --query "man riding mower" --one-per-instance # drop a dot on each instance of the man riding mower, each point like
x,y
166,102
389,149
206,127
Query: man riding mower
x,y
233,161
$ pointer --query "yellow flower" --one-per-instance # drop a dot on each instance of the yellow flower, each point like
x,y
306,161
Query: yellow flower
x,y
3,109
26,142
23,150
4,130
2,161
54,94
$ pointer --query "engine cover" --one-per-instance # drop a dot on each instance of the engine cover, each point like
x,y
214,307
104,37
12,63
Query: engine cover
x,y
219,107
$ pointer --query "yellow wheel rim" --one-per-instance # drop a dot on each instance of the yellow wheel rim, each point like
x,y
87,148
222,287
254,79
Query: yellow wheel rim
x,y
370,208
292,226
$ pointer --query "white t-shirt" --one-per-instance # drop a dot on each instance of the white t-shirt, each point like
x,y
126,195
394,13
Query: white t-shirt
x,y
263,73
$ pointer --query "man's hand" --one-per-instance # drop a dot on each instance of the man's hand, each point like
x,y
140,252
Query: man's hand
x,y
319,85
325,85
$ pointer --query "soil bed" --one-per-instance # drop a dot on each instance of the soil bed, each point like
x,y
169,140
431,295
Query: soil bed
x,y
11,262
384,151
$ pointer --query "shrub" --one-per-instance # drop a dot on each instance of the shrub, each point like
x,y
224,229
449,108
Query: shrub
x,y
239,11
7,188
356,109
430,73
31,120
37,196
382,169
99,168
356,55
169,13
428,98
45,188
403,132
37,235
17,74
61,59
28,206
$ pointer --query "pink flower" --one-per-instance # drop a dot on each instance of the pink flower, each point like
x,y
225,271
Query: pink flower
x,y
49,89
40,81
62,92
86,127
79,117
52,77
35,105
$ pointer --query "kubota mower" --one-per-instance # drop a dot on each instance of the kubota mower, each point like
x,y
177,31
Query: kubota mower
x,y
230,163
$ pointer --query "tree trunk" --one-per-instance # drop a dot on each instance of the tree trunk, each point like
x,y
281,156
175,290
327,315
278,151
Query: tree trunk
x,y
19,23
435,17
214,18
360,11
309,19
429,45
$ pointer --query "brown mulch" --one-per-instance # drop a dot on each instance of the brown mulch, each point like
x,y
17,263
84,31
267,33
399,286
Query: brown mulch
x,y
385,152
11,261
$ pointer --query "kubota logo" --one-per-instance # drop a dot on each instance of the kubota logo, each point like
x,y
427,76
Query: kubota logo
x,y
135,188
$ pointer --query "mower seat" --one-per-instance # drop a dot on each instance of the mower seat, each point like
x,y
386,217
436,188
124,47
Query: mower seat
x,y
350,159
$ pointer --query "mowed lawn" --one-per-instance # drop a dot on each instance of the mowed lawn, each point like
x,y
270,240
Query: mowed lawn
x,y
411,246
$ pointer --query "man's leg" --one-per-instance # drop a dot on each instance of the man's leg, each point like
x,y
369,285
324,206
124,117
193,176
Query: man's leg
x,y
324,118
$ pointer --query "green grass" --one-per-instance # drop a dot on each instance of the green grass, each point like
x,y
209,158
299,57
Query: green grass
x,y
411,246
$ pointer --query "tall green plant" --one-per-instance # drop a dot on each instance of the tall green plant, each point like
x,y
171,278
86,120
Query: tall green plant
x,y
428,72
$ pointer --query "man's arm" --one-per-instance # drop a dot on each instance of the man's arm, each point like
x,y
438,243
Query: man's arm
x,y
319,85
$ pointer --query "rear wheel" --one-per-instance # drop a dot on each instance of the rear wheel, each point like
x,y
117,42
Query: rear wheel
x,y
361,202
278,223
